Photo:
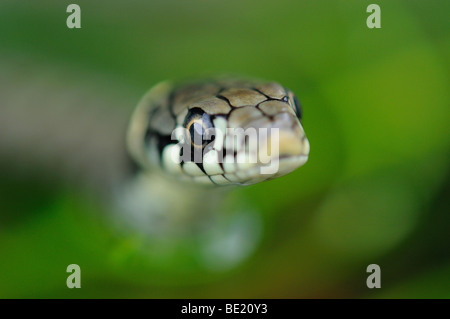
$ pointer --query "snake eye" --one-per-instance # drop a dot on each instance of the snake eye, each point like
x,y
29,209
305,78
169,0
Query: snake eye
x,y
296,105
197,133
199,125
298,108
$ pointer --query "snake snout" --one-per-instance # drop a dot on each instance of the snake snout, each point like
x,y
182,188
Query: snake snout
x,y
273,147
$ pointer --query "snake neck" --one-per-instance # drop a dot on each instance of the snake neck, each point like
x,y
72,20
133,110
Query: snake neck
x,y
157,205
181,218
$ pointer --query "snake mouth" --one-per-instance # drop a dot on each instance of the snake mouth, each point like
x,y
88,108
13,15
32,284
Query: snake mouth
x,y
289,163
260,173
279,155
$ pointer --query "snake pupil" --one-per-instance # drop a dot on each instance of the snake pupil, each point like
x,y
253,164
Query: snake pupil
x,y
199,124
197,133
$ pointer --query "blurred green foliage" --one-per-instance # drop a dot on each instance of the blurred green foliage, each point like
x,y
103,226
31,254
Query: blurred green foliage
x,y
376,112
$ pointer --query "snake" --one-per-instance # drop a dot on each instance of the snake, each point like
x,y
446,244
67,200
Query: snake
x,y
188,131
64,126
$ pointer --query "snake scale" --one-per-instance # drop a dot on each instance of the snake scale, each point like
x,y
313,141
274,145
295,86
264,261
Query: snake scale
x,y
176,118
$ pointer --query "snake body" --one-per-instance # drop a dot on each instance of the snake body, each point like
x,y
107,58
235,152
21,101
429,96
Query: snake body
x,y
173,118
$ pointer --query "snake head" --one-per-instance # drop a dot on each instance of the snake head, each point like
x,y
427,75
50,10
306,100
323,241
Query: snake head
x,y
220,132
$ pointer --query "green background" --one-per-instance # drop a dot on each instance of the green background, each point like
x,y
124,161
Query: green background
x,y
376,111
